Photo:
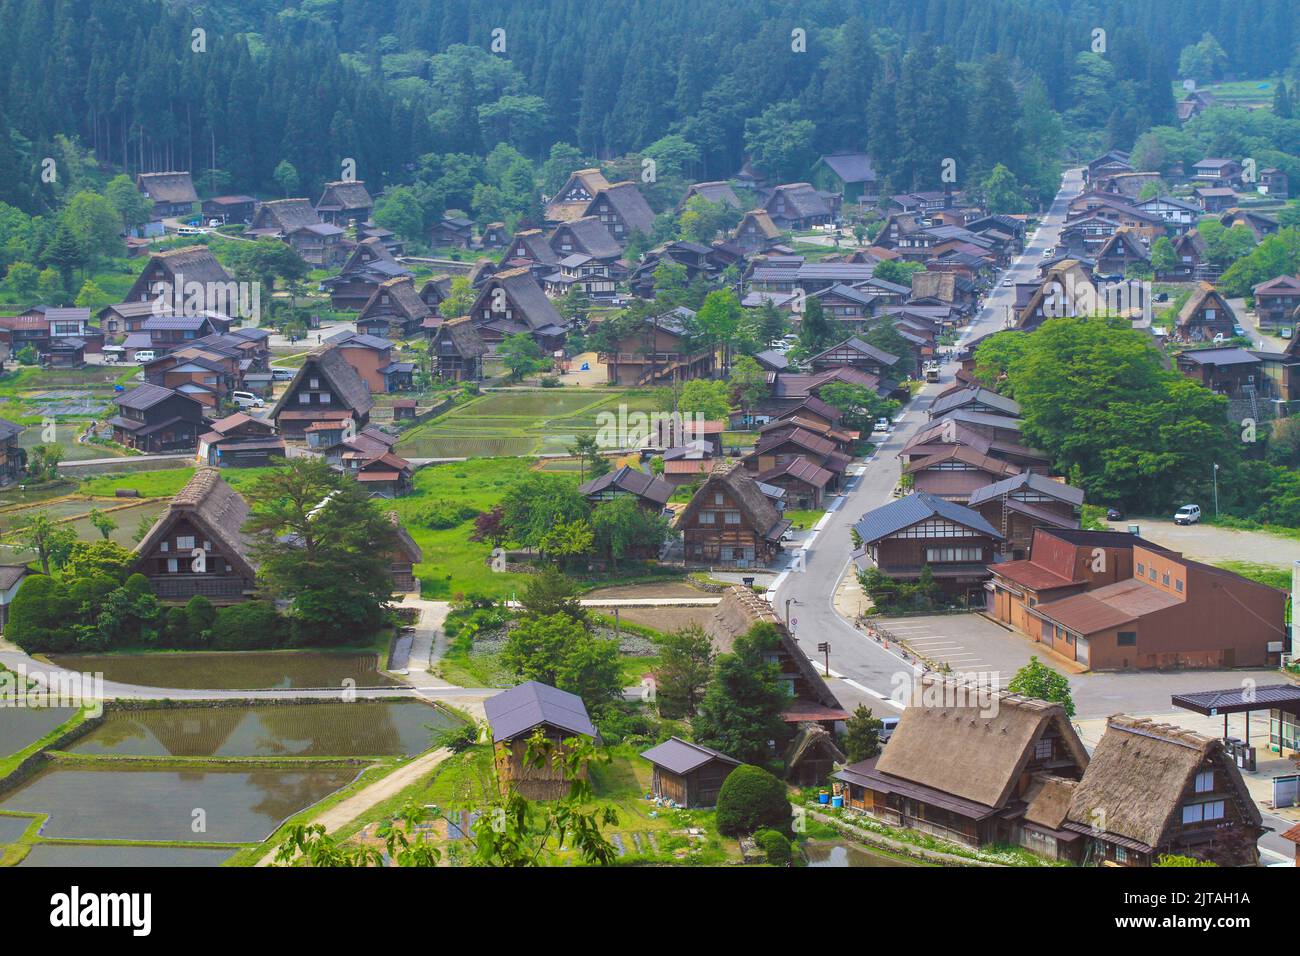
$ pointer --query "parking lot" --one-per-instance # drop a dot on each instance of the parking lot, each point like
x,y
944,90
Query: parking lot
x,y
972,644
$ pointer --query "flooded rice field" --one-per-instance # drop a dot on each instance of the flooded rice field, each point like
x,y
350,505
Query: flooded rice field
x,y
195,806
21,726
233,670
825,853
356,729
61,854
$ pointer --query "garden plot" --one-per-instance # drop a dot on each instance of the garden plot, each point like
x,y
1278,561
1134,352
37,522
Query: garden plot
x,y
356,729
69,402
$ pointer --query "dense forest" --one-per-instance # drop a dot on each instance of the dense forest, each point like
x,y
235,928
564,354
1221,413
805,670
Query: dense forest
x,y
316,82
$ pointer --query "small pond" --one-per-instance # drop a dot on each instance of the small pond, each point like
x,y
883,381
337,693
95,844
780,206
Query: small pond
x,y
233,670
355,729
234,807
825,853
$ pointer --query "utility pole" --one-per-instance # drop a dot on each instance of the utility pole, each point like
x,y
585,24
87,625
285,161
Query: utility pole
x,y
825,648
1216,489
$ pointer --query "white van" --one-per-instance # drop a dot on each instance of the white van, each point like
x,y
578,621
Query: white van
x,y
144,356
1187,514
246,400
887,727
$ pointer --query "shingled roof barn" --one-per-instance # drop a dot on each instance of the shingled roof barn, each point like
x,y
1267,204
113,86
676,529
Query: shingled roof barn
x,y
512,302
172,193
688,774
325,389
198,546
1154,789
521,712
623,210
575,195
394,310
458,350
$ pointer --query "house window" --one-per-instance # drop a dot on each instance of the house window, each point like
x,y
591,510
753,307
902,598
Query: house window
x,y
1164,579
1205,781
171,565
1203,812
185,542
706,517
1178,586
315,383
1127,639
1151,573
1043,750
324,398
731,517
1121,855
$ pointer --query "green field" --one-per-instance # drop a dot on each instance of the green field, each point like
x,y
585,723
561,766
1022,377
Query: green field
x,y
452,563
518,423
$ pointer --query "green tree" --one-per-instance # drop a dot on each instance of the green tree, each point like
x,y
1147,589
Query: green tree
x,y
521,355
323,544
286,178
548,592
815,332
1038,680
460,297
1164,259
751,799
748,382
741,711
587,450
102,522
622,527
685,668
557,650
862,735
705,397
536,503
780,141
50,542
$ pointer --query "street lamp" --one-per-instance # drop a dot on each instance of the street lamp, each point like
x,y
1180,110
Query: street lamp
x,y
788,602
1216,489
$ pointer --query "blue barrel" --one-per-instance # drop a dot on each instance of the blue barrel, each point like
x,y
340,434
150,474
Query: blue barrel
x,y
823,797
837,801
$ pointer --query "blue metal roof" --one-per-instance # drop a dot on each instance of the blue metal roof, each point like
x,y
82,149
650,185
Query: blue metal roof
x,y
914,508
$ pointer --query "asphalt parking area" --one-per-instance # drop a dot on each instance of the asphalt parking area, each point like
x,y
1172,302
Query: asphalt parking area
x,y
966,643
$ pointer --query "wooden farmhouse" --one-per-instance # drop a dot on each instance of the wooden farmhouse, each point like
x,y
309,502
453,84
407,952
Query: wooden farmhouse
x,y
324,389
197,546
730,522
1153,789
344,203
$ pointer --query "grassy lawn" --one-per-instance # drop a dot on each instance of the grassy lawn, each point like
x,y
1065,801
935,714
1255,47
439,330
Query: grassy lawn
x,y
804,519
1268,574
164,483
452,563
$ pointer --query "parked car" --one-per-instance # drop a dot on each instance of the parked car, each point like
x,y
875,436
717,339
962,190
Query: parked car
x,y
887,727
282,374
1238,331
1008,280
1284,332
1162,296
246,400
1114,514
1187,514
882,425
144,356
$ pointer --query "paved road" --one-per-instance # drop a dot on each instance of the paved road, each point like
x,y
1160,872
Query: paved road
x,y
869,671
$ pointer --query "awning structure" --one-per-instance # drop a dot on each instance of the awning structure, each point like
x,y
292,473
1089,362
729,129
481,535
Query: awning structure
x,y
1238,700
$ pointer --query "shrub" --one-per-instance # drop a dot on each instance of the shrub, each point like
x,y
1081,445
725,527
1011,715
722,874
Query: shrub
x,y
40,616
751,798
176,627
441,515
775,846
457,739
253,624
549,381
200,615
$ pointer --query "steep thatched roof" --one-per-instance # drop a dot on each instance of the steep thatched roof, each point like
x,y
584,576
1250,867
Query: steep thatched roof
x,y
463,336
167,187
1204,295
1048,800
286,215
328,362
345,194
1138,775
402,299
530,302
812,740
756,509
630,205
214,508
738,611
973,746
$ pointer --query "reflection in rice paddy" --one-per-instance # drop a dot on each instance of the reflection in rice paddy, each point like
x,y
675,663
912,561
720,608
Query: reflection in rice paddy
x,y
360,728
233,670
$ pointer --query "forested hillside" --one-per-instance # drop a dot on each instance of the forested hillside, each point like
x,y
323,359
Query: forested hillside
x,y
386,83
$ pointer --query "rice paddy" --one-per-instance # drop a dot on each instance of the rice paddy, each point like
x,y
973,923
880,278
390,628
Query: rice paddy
x,y
65,854
359,728
518,423
234,670
22,726
188,806
11,828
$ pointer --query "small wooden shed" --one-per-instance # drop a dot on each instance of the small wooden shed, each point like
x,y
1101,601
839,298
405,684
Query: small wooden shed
x,y
515,716
688,774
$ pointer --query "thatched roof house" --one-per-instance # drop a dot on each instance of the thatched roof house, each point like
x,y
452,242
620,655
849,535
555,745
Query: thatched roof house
x,y
711,536
1154,788
198,545
963,763
325,388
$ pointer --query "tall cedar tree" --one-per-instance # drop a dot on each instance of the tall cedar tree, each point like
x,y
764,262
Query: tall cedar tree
x,y
741,710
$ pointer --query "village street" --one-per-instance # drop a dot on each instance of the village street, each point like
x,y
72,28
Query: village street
x,y
870,672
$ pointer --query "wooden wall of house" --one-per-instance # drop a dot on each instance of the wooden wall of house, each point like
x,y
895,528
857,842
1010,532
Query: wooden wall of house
x,y
535,783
